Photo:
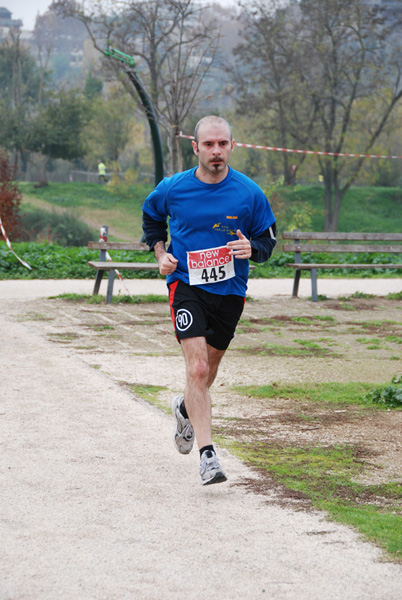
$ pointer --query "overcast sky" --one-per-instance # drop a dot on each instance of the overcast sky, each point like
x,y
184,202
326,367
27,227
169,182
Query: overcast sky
x,y
27,10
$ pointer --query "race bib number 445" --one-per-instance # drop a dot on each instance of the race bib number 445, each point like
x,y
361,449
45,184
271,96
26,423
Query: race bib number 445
x,y
210,266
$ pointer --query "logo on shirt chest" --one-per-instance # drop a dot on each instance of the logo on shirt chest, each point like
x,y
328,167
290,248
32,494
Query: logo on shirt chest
x,y
224,227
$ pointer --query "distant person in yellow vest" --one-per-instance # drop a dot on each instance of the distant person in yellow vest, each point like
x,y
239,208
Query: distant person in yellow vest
x,y
101,172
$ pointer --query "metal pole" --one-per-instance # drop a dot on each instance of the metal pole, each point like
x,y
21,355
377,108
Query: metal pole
x,y
153,124
148,108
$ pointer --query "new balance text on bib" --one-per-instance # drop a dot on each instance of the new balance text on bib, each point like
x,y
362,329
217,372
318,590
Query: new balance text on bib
x,y
210,266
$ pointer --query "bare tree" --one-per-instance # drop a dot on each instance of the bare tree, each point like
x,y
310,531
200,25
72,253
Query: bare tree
x,y
266,82
185,69
175,47
333,57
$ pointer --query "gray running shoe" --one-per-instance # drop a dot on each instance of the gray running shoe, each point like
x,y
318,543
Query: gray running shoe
x,y
210,469
184,433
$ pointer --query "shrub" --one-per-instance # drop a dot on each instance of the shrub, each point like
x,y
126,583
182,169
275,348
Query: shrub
x,y
63,229
291,213
394,296
10,196
389,396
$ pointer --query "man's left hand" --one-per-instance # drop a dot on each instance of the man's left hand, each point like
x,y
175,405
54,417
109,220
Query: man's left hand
x,y
240,248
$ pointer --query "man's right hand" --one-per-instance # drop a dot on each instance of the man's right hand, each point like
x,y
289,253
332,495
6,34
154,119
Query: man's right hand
x,y
167,263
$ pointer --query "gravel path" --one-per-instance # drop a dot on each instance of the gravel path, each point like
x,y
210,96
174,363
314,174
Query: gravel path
x,y
259,288
96,504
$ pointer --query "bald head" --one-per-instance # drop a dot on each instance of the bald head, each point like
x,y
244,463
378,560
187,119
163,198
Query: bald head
x,y
211,121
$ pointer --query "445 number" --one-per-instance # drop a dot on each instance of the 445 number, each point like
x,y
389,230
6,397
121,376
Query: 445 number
x,y
213,274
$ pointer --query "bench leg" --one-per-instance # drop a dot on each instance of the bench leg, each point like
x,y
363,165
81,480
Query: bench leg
x,y
109,294
98,280
314,295
296,282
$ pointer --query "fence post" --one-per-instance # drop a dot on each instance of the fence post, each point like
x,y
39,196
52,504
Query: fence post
x,y
296,279
104,231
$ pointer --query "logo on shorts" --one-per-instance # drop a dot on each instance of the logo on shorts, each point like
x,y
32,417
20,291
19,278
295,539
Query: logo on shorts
x,y
184,319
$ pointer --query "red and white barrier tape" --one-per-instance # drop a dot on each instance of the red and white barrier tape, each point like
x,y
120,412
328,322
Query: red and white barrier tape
x,y
103,238
316,152
3,231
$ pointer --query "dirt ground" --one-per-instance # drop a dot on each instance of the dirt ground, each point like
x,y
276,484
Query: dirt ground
x,y
278,341
96,503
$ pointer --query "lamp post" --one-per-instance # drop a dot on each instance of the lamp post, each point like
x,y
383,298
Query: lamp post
x,y
129,61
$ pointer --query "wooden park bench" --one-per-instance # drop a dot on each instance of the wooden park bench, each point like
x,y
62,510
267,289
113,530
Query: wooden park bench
x,y
103,265
305,241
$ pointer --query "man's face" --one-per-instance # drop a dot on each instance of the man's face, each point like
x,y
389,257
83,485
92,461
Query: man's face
x,y
214,149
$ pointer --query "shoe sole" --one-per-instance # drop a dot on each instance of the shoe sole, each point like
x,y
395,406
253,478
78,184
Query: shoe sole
x,y
180,448
217,478
176,436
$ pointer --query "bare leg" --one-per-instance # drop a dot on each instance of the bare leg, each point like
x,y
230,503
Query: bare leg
x,y
214,358
202,363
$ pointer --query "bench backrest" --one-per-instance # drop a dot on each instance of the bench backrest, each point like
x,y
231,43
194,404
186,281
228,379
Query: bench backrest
x,y
117,246
331,242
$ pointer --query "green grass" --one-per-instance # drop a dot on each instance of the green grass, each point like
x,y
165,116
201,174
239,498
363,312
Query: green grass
x,y
367,208
308,349
326,393
118,207
102,328
395,339
64,337
123,299
382,528
364,209
325,475
372,341
308,344
51,261
394,296
35,316
150,393
379,324
74,195
357,296
308,320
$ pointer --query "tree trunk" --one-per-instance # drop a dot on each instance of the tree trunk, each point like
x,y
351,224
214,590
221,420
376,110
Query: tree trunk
x,y
43,182
332,219
333,196
286,169
328,203
179,152
333,202
174,151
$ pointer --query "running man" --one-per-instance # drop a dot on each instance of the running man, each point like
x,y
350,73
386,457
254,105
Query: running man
x,y
218,219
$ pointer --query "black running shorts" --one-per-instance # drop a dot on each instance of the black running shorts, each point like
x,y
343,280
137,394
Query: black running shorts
x,y
197,313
